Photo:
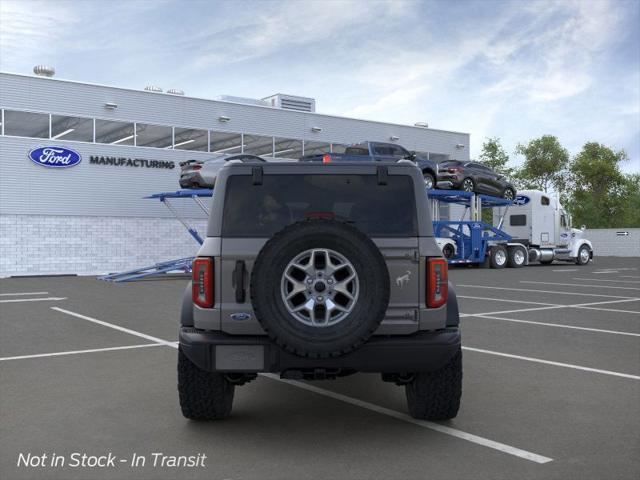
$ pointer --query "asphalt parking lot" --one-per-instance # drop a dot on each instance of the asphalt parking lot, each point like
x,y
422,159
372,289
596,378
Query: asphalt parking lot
x,y
551,387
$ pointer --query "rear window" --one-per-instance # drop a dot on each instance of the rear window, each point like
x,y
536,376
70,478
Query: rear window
x,y
450,163
262,210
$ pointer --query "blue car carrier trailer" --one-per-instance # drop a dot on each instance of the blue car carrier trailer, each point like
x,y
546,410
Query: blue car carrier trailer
x,y
470,240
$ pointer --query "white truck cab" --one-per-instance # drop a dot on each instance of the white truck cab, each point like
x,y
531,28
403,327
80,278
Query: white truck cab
x,y
538,221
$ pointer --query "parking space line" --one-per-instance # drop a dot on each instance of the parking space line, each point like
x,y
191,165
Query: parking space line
x,y
559,325
509,301
22,293
629,276
577,305
566,270
556,364
75,352
533,457
527,290
634,312
44,299
581,285
115,327
605,280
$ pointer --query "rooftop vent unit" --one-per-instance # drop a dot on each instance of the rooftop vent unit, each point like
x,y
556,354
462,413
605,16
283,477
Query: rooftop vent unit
x,y
291,102
244,100
153,88
175,91
44,71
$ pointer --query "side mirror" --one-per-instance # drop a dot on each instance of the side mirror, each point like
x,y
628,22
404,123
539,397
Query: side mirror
x,y
412,155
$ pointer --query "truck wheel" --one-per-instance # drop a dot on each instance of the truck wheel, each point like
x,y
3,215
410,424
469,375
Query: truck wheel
x,y
498,256
468,185
203,395
429,181
584,255
436,395
517,257
320,288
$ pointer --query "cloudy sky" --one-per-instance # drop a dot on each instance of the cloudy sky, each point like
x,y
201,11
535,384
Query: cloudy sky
x,y
511,69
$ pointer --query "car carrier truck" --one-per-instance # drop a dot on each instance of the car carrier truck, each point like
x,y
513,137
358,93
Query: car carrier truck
x,y
532,228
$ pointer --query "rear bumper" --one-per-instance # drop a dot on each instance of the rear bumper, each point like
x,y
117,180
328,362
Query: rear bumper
x,y
215,351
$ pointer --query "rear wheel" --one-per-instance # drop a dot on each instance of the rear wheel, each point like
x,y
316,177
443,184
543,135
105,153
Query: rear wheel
x,y
498,257
468,185
203,395
429,181
517,257
508,194
436,395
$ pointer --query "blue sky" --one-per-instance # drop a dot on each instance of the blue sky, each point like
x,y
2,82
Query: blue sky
x,y
511,69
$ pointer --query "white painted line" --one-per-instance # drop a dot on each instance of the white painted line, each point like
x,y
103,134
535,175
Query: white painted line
x,y
559,325
485,442
557,364
629,276
552,306
75,352
22,293
44,299
610,310
605,280
545,291
581,285
505,300
566,270
116,327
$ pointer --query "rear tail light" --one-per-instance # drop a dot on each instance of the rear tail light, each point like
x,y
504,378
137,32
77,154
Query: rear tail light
x,y
437,282
326,158
454,170
196,167
202,282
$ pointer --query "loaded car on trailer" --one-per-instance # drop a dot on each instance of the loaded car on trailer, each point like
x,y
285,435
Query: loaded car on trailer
x,y
310,272
380,151
475,177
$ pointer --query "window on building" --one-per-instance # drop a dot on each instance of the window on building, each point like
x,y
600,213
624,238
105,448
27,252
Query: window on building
x,y
544,200
71,128
26,124
316,148
287,148
157,136
226,143
518,220
115,133
258,145
191,139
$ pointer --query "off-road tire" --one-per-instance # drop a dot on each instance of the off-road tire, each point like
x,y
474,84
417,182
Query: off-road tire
x,y
310,341
203,395
436,395
494,256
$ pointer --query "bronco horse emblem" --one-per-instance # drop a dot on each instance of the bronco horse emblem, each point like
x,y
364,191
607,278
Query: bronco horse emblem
x,y
402,280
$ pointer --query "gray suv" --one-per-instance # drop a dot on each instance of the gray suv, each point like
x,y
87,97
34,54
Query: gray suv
x,y
319,271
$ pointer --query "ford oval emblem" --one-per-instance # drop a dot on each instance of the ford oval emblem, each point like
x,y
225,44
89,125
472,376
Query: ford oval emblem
x,y
55,157
239,317
521,200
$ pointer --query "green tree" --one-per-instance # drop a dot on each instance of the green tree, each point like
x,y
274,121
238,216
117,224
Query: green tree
x,y
599,194
494,156
545,164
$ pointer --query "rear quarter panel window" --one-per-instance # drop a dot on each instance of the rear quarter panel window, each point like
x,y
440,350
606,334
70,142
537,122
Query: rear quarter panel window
x,y
262,210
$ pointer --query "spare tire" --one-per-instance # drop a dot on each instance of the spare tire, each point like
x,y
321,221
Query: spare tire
x,y
320,288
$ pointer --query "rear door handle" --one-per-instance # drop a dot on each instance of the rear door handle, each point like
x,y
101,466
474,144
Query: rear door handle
x,y
238,280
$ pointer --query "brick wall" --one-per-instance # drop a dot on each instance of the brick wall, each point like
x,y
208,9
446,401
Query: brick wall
x,y
43,245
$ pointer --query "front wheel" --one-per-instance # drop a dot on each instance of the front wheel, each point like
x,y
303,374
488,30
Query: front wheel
x,y
203,395
429,181
436,395
508,194
584,255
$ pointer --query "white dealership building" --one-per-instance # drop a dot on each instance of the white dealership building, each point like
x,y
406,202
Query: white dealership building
x,y
91,217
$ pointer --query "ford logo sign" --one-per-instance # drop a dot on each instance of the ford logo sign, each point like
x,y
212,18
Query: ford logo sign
x,y
521,200
55,157
240,317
